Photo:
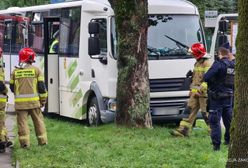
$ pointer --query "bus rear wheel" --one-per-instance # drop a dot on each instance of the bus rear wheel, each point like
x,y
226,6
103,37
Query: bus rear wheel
x,y
93,114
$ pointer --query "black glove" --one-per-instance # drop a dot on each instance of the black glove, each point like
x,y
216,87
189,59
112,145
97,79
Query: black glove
x,y
189,74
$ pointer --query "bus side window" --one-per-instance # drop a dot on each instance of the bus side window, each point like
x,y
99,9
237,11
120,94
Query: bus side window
x,y
102,35
70,26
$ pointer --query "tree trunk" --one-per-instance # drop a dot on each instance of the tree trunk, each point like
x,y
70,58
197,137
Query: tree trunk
x,y
238,149
133,94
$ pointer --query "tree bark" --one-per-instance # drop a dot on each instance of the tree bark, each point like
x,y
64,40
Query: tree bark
x,y
133,93
238,149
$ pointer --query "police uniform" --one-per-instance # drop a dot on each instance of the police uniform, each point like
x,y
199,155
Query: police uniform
x,y
198,98
220,78
3,100
29,89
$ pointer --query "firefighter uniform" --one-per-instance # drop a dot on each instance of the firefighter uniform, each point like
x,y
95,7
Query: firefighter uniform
x,y
3,100
198,96
27,83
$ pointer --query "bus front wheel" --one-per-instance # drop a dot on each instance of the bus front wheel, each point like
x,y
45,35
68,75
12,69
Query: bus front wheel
x,y
93,114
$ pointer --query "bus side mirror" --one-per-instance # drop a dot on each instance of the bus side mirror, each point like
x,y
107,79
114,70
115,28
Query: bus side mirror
x,y
94,47
94,28
93,40
223,25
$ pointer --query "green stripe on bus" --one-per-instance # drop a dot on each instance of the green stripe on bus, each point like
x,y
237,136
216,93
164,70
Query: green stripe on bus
x,y
72,68
76,97
79,112
74,83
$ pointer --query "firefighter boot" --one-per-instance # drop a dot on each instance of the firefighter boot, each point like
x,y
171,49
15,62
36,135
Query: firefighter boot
x,y
183,129
2,147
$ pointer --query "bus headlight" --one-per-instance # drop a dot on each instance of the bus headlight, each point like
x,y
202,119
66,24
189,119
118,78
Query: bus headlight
x,y
112,105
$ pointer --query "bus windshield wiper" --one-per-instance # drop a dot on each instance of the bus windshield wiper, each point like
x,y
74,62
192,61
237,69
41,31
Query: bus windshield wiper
x,y
178,42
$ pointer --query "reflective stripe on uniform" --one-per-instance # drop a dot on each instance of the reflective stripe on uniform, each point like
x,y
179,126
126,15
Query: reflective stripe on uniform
x,y
34,85
3,98
26,98
11,81
16,87
204,85
26,95
52,51
201,69
194,90
43,95
41,78
25,73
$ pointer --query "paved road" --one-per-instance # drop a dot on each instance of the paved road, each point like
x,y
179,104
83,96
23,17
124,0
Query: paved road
x,y
5,158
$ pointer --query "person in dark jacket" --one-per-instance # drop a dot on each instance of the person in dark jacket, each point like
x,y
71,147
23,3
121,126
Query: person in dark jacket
x,y
220,79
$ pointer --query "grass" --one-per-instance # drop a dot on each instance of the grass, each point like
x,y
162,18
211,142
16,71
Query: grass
x,y
73,145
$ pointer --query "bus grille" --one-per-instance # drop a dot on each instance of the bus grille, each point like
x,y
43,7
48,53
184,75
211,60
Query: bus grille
x,y
168,102
165,85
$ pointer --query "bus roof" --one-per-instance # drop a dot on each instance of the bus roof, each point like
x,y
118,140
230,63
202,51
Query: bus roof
x,y
172,7
155,6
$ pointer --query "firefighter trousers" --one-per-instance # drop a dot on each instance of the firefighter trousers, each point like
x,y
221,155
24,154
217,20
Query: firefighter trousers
x,y
3,130
23,129
195,104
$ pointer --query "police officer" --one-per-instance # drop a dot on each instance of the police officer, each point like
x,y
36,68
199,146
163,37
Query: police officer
x,y
198,91
3,100
27,84
220,79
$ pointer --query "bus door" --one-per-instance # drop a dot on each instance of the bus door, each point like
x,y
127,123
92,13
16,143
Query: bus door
x,y
51,34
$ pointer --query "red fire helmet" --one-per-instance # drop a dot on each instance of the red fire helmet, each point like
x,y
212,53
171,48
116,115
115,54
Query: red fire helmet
x,y
198,50
26,55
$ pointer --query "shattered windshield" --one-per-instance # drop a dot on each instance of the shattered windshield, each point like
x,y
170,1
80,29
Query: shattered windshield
x,y
169,36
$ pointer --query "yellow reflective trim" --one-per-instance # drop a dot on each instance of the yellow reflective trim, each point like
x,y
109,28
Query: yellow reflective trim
x,y
43,95
41,78
1,78
3,100
35,86
206,69
194,90
16,87
11,81
201,69
204,85
51,50
27,99
25,73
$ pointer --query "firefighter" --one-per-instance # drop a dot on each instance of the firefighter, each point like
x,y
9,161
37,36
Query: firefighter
x,y
220,78
198,91
3,100
27,84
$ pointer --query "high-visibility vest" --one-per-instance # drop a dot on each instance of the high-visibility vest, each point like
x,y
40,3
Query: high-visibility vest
x,y
52,50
